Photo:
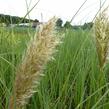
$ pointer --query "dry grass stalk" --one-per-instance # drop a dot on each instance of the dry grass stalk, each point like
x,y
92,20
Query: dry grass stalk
x,y
39,52
101,28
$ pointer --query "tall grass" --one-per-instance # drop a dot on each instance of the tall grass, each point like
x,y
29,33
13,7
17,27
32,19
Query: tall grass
x,y
72,81
39,52
12,44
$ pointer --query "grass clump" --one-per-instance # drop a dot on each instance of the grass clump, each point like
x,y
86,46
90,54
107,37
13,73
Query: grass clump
x,y
102,37
76,79
39,51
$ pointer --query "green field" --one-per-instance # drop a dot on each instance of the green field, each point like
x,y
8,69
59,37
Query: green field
x,y
72,81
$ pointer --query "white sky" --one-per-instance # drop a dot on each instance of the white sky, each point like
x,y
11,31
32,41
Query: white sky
x,y
49,8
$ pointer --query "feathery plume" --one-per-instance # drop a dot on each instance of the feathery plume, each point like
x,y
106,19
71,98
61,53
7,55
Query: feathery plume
x,y
101,27
39,52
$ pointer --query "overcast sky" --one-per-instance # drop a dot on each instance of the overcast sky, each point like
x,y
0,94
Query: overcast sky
x,y
49,8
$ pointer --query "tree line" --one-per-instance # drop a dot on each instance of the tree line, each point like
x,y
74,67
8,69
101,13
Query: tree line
x,y
8,19
67,24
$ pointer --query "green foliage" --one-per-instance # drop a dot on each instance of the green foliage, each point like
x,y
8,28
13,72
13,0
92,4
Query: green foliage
x,y
68,25
87,25
59,23
76,27
13,19
73,80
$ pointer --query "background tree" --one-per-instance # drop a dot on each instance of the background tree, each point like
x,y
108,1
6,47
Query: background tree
x,y
87,25
68,25
59,23
7,19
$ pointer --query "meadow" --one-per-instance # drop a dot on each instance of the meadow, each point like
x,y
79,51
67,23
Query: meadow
x,y
73,80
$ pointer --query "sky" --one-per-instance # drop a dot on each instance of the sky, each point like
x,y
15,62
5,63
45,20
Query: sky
x,y
46,9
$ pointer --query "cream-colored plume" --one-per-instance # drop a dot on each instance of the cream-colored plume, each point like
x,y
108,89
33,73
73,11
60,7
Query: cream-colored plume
x,y
101,27
39,51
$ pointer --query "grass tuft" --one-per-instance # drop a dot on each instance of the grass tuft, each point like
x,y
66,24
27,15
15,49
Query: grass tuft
x,y
38,53
102,37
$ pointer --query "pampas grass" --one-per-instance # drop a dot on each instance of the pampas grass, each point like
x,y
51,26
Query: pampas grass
x,y
39,52
101,28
